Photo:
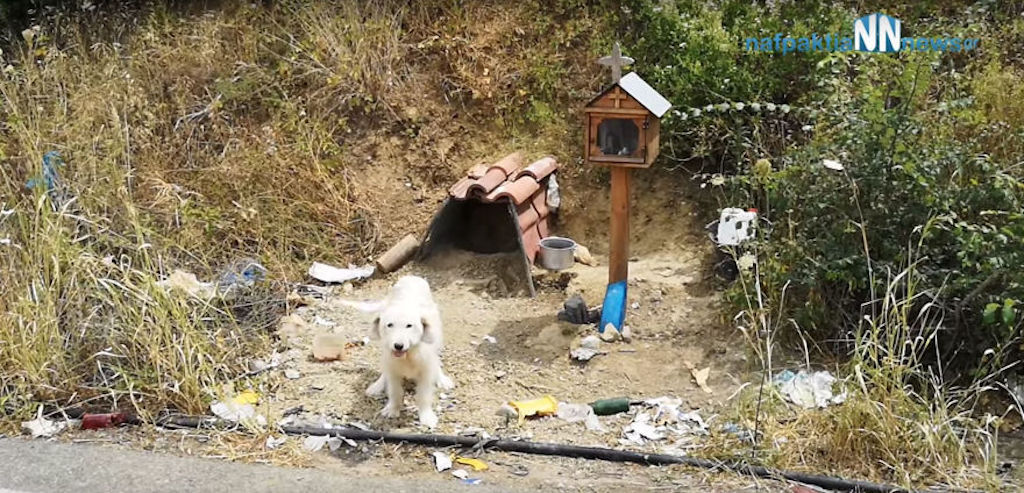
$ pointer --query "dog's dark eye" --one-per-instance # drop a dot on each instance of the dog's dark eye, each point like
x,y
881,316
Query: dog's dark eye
x,y
408,326
390,325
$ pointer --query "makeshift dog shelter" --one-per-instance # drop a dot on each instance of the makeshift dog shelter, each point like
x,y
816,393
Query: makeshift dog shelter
x,y
497,208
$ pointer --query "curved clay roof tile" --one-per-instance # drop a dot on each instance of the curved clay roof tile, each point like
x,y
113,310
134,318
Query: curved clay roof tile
x,y
539,169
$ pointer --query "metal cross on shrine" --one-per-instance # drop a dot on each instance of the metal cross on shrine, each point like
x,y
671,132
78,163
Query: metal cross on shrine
x,y
616,61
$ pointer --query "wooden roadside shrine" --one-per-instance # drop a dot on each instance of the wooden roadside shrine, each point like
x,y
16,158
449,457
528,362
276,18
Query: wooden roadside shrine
x,y
622,126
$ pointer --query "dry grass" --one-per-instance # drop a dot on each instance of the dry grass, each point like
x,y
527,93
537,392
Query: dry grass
x,y
902,421
195,138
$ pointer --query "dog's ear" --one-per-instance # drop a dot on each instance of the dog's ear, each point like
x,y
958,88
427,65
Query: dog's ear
x,y
375,329
428,331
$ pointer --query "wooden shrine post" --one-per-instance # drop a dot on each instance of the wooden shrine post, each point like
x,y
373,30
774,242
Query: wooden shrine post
x,y
622,131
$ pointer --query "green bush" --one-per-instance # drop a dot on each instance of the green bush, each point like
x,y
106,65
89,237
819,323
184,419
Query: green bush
x,y
930,143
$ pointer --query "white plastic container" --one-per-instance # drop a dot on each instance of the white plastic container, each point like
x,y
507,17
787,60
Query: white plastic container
x,y
735,226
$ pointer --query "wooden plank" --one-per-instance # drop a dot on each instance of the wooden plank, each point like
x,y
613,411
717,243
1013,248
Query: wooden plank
x,y
618,261
618,111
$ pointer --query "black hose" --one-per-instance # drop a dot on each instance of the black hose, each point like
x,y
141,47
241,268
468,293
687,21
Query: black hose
x,y
539,448
575,451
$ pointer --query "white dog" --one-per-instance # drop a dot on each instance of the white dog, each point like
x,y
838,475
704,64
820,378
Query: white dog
x,y
408,327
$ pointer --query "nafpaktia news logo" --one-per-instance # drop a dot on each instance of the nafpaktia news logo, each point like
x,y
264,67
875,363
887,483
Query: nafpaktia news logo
x,y
875,33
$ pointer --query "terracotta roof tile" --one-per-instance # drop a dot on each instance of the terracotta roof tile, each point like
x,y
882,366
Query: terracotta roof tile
x,y
519,191
539,169
485,184
509,163
525,187
478,170
460,188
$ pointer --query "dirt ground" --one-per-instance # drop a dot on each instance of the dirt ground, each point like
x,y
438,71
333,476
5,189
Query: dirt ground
x,y
675,321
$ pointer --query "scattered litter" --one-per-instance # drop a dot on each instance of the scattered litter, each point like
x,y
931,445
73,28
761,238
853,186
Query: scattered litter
x,y
589,347
460,473
739,432
573,413
583,354
275,442
188,283
808,390
105,420
328,347
583,256
490,339
240,275
292,374
634,305
472,481
735,226
615,405
700,376
507,412
42,427
261,365
832,165
476,464
314,443
575,311
442,461
545,406
554,198
663,419
50,180
239,408
610,334
332,274
359,425
323,322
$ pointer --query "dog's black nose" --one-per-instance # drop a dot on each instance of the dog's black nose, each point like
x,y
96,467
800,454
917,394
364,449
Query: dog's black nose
x,y
398,346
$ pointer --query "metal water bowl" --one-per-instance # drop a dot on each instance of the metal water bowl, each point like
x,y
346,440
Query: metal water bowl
x,y
557,253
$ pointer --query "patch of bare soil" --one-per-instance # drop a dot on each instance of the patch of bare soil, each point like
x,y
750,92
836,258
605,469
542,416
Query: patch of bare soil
x,y
673,328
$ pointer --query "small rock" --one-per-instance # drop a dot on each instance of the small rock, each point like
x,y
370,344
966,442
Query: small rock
x,y
292,374
500,374
347,288
610,333
635,305
627,333
460,473
490,339
591,342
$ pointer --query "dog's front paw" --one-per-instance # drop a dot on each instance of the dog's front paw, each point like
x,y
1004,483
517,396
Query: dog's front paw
x,y
428,418
376,389
445,383
390,411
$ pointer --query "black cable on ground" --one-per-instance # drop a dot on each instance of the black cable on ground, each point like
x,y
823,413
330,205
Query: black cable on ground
x,y
539,448
578,452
